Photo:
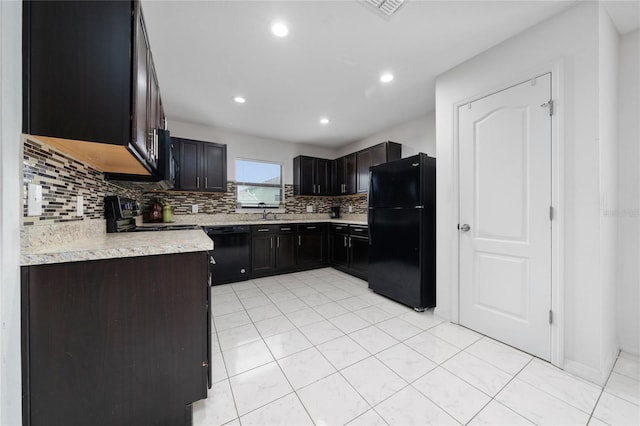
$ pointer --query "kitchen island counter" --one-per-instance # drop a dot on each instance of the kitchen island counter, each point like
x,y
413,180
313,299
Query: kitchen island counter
x,y
119,245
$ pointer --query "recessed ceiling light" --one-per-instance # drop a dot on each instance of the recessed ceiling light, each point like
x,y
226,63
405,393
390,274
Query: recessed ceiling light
x,y
279,29
240,99
324,120
386,77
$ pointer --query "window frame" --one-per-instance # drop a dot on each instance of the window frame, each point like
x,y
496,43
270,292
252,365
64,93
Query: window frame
x,y
253,208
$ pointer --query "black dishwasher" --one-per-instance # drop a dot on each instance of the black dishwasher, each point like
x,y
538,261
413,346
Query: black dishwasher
x,y
230,259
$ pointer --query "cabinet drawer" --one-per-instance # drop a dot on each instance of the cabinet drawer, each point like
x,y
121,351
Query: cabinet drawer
x,y
265,229
339,228
286,229
359,230
312,227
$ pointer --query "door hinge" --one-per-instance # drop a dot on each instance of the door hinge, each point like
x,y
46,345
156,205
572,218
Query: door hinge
x,y
549,104
550,316
550,212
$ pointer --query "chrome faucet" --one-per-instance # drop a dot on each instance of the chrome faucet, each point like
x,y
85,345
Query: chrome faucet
x,y
265,215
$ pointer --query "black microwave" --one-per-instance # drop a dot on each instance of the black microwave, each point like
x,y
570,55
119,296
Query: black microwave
x,y
165,175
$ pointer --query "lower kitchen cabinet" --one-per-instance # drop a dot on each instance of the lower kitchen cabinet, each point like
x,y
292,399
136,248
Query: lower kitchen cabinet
x,y
350,249
115,341
312,245
276,249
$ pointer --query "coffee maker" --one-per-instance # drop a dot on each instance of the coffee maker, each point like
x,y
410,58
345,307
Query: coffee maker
x,y
335,212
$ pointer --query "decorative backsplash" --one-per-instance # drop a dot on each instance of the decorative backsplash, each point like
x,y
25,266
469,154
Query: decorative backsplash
x,y
62,179
225,203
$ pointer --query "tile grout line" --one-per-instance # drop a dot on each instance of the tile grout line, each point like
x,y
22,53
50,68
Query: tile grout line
x,y
593,410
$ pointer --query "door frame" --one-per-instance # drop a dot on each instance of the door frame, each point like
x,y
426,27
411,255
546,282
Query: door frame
x,y
556,68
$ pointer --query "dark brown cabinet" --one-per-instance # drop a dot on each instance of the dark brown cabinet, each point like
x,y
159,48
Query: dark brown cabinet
x,y
115,341
311,176
202,166
344,175
372,156
281,248
273,249
93,58
312,245
350,249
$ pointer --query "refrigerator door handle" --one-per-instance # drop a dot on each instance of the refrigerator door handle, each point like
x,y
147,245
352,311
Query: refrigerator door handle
x,y
370,192
370,224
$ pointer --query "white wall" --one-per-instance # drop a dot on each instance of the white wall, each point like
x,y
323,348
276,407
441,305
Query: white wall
x,y
416,135
250,147
10,202
628,253
569,40
608,141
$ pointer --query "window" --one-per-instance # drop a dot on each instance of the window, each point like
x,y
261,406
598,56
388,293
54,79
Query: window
x,y
258,182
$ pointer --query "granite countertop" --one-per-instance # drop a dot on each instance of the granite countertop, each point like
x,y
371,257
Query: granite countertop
x,y
83,241
108,246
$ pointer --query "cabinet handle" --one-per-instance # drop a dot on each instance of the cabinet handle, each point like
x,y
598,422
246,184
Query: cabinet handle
x,y
349,242
285,229
263,230
299,240
206,182
278,242
319,190
198,182
271,242
338,227
345,240
311,227
314,188
155,140
358,229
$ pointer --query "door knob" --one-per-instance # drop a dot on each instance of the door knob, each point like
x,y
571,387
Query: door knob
x,y
465,227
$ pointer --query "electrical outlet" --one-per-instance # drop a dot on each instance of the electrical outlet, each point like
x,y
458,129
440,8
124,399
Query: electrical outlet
x,y
310,209
350,209
34,200
79,205
194,208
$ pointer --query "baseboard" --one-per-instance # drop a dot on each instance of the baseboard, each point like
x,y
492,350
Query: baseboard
x,y
594,375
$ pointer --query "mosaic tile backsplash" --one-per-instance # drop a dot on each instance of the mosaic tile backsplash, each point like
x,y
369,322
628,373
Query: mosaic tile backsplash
x,y
221,203
62,179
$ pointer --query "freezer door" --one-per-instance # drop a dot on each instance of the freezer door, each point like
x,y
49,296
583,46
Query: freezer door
x,y
395,258
396,184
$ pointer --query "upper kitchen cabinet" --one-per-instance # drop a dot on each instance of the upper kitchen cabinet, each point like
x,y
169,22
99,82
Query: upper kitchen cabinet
x,y
311,176
202,166
372,156
89,86
344,175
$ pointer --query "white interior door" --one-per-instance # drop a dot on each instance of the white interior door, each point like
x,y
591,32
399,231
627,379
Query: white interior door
x,y
505,199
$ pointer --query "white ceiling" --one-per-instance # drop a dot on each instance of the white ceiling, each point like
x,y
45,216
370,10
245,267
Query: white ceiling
x,y
207,52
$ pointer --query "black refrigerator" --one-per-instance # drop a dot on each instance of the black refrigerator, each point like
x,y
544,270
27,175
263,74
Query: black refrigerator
x,y
402,230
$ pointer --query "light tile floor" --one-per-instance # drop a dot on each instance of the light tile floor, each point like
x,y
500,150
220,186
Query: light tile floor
x,y
318,347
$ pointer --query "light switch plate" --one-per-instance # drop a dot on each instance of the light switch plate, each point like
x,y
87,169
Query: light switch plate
x,y
350,209
34,200
194,208
309,209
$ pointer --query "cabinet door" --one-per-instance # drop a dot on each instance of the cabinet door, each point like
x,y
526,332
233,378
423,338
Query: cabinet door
x,y
322,177
307,184
188,165
141,82
153,122
339,249
115,341
214,167
359,262
311,249
285,251
363,162
262,254
337,176
350,174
